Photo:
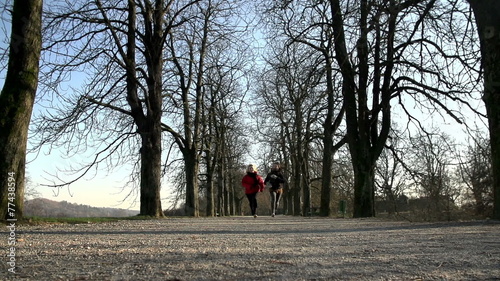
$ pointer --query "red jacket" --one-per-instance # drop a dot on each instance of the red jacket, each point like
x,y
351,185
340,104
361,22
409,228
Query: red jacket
x,y
252,183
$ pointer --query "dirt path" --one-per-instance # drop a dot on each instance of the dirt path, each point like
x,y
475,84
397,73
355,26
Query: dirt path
x,y
243,248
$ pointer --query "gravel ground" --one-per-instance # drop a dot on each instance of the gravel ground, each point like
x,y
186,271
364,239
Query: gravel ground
x,y
244,248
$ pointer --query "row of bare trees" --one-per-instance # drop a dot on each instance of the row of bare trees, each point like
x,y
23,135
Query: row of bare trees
x,y
159,74
171,74
371,61
437,175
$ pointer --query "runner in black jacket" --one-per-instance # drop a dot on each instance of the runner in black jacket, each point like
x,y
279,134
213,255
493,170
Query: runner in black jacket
x,y
276,178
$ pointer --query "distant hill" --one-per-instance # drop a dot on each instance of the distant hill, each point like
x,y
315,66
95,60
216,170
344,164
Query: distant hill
x,y
41,207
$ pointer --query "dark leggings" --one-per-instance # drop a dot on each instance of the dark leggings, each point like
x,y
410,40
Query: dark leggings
x,y
252,199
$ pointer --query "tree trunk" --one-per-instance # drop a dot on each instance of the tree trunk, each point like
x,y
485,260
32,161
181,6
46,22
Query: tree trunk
x,y
148,124
286,200
227,199
220,191
191,166
16,104
297,192
211,163
326,178
364,191
488,25
151,175
210,195
297,144
306,188
328,131
220,176
232,198
307,175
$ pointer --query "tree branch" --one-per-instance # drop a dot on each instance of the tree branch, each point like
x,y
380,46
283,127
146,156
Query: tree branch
x,y
107,105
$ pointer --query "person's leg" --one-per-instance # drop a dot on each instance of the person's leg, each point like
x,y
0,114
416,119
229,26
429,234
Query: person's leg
x,y
279,192
252,199
255,204
250,202
273,202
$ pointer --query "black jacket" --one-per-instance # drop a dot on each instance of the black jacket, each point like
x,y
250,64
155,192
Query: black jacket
x,y
275,178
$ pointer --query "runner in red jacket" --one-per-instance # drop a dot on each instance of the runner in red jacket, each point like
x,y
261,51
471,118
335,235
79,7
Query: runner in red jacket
x,y
253,183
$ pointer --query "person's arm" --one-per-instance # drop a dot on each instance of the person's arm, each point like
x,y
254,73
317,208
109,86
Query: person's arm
x,y
261,183
267,179
281,178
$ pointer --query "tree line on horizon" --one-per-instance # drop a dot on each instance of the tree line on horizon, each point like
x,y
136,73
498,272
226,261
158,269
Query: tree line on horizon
x,y
41,207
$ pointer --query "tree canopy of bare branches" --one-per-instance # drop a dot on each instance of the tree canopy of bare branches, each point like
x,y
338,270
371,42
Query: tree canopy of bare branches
x,y
417,57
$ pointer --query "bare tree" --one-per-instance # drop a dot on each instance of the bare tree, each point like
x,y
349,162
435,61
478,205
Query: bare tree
x,y
305,24
386,68
223,130
388,53
476,172
432,167
289,114
119,111
211,23
391,175
16,103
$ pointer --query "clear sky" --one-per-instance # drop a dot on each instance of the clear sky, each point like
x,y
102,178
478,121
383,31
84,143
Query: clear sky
x,y
100,189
